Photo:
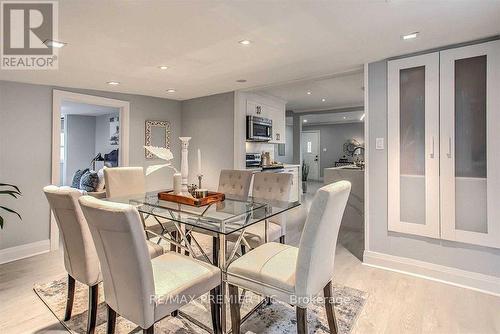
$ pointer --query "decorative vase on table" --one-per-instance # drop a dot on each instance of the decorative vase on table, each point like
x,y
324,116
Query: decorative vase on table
x,y
184,164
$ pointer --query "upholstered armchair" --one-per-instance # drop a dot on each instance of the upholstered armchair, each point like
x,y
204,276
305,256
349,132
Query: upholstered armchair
x,y
80,257
141,290
295,275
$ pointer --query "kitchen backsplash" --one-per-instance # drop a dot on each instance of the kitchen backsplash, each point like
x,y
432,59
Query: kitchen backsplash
x,y
255,147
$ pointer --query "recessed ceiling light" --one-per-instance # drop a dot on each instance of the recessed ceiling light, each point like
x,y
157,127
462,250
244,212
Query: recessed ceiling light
x,y
170,90
163,67
245,42
362,117
241,80
410,36
113,83
345,117
54,44
305,121
323,100
309,93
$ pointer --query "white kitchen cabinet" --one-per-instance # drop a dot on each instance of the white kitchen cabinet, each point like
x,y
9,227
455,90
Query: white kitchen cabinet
x,y
470,144
443,144
279,127
413,145
255,108
277,114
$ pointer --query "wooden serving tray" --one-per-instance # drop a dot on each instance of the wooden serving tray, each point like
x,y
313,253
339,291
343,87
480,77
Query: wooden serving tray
x,y
213,197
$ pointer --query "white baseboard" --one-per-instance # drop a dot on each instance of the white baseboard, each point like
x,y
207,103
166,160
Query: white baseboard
x,y
24,251
435,272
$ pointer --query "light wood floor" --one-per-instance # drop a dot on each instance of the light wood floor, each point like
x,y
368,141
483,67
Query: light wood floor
x,y
396,303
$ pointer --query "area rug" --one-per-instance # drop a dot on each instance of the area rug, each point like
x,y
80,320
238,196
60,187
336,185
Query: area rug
x,y
276,318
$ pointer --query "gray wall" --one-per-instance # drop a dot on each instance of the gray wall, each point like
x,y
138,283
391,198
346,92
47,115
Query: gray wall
x,y
80,143
102,136
210,122
25,150
458,255
25,158
333,137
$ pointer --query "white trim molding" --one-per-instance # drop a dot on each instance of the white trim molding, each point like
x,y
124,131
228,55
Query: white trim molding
x,y
58,96
23,251
435,272
367,155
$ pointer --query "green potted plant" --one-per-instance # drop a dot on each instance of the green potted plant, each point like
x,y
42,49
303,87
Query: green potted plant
x,y
305,175
8,190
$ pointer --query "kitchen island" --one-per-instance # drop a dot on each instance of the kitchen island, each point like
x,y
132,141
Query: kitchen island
x,y
354,211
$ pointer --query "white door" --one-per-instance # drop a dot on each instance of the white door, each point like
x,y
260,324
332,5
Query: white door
x,y
310,153
413,145
470,142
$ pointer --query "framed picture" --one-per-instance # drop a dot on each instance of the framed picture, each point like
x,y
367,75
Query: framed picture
x,y
157,134
114,130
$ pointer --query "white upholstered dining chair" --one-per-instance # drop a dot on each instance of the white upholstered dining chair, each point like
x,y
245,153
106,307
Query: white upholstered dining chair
x,y
235,182
80,257
272,187
126,181
295,275
141,290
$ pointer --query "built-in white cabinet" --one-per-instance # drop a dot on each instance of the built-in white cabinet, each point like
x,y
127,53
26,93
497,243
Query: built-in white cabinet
x,y
413,145
444,144
470,144
256,108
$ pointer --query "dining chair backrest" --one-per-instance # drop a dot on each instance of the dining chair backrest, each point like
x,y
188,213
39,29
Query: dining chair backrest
x,y
272,186
80,256
318,242
124,181
235,182
125,262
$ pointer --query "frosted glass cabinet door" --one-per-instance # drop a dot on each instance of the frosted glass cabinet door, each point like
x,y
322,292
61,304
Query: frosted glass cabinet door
x,y
413,145
470,139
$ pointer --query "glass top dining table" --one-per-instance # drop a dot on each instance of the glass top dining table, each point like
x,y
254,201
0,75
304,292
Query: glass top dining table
x,y
233,215
226,217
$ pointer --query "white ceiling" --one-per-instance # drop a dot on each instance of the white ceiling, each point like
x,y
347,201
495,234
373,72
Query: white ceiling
x,y
125,41
75,108
329,118
340,91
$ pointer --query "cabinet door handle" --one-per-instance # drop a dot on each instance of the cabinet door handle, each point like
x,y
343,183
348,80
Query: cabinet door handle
x,y
432,149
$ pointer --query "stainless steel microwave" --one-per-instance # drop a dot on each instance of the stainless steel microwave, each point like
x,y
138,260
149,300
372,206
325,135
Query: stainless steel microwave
x,y
259,128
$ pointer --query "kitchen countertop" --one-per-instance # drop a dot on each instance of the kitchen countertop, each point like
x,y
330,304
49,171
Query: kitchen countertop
x,y
259,169
349,168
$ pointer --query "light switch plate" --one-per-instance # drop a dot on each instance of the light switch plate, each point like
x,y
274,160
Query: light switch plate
x,y
379,143
324,149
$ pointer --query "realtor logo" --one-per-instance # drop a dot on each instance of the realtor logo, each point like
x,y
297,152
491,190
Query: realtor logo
x,y
27,28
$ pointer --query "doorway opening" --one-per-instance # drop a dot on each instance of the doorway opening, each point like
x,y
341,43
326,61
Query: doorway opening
x,y
310,146
325,135
87,132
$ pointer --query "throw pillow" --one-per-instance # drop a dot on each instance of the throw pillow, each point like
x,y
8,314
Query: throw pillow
x,y
100,184
75,183
89,181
